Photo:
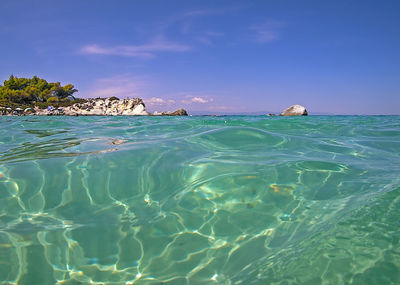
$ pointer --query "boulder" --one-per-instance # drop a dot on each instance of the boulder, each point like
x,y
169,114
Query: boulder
x,y
295,110
179,112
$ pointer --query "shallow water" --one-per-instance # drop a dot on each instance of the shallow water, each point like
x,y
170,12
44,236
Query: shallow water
x,y
200,200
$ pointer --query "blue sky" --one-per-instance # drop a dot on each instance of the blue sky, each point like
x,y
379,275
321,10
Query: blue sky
x,y
340,57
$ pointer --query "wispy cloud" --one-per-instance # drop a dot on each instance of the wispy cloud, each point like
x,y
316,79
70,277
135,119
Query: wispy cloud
x,y
156,101
220,108
189,21
267,32
147,50
120,86
208,37
200,12
187,25
191,25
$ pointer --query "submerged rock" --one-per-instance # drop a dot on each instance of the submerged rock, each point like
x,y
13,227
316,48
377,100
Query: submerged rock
x,y
295,110
117,141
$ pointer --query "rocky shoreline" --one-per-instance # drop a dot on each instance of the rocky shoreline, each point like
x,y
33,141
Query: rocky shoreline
x,y
116,107
94,107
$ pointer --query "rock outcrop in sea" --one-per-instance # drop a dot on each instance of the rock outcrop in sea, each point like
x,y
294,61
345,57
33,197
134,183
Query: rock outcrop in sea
x,y
179,112
295,110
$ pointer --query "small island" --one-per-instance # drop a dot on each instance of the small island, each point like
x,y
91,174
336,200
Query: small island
x,y
36,96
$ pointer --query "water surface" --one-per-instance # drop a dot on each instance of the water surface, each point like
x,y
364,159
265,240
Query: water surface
x,y
200,200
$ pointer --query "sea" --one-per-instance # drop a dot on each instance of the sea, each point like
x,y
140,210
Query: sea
x,y
200,200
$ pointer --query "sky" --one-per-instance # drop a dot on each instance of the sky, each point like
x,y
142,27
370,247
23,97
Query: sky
x,y
335,57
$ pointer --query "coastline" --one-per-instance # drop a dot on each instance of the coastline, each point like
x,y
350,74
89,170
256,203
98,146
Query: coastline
x,y
111,106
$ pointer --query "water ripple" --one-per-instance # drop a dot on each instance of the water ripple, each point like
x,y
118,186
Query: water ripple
x,y
199,200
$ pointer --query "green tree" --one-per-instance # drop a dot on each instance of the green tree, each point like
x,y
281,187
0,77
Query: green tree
x,y
28,91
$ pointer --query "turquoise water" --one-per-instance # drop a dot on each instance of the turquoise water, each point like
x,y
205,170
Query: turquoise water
x,y
200,200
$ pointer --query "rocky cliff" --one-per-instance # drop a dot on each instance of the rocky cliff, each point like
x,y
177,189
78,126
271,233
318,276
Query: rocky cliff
x,y
108,107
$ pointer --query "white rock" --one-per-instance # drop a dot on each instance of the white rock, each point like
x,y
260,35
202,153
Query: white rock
x,y
295,110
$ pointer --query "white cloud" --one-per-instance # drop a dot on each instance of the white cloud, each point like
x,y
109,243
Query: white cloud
x,y
147,50
155,101
267,32
196,99
199,100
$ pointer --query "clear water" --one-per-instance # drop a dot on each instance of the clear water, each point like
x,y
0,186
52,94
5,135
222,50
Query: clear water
x,y
200,200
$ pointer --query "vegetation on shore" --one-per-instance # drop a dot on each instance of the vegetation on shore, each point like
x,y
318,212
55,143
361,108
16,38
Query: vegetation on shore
x,y
36,92
26,96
